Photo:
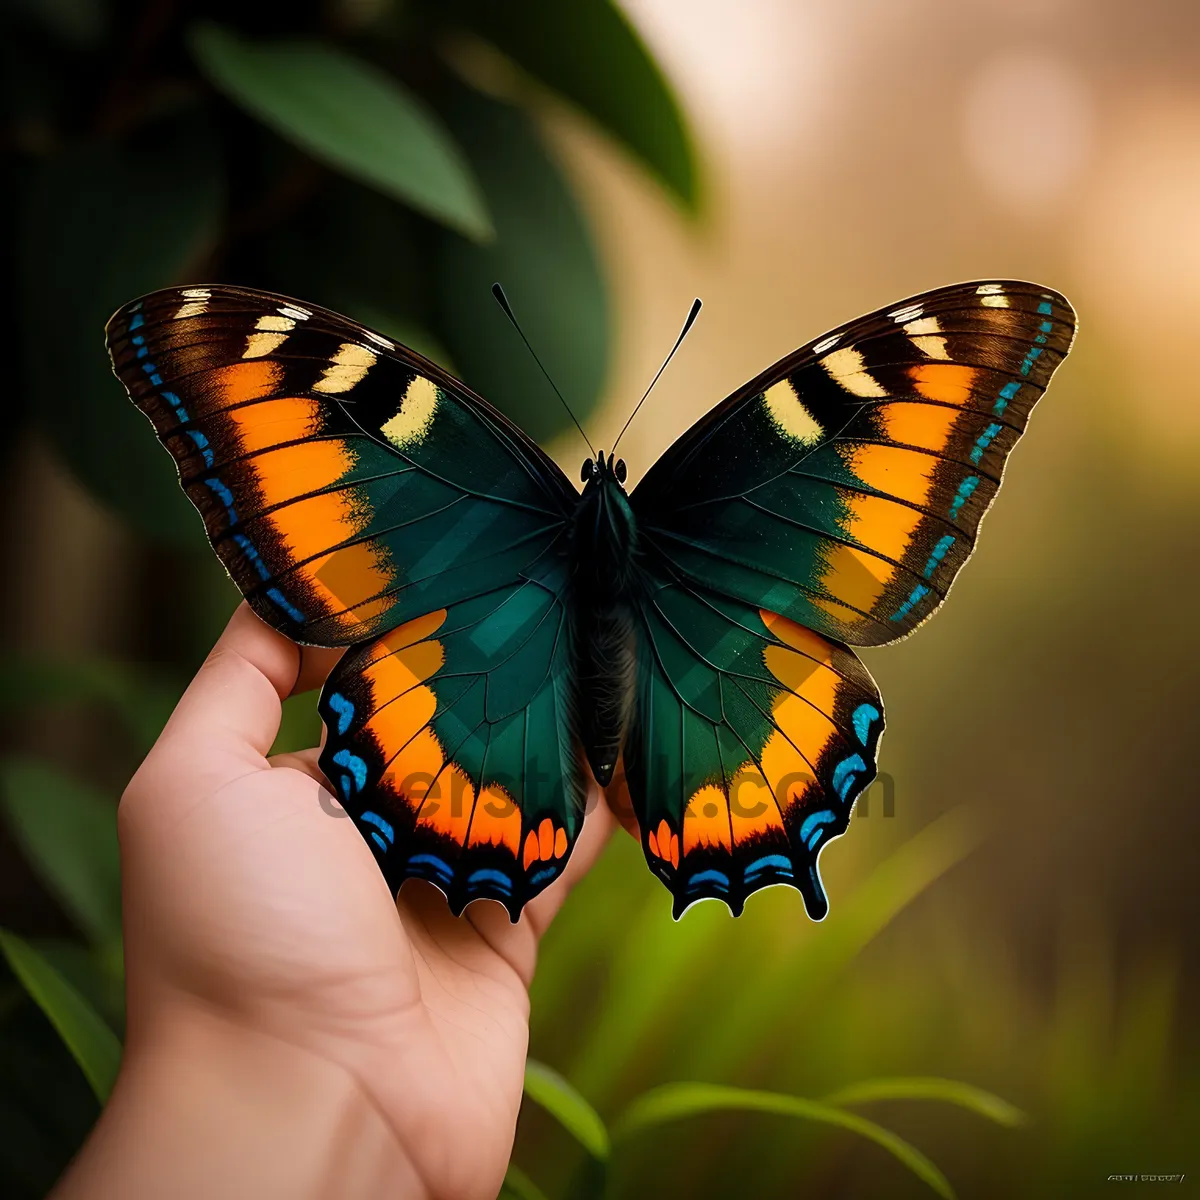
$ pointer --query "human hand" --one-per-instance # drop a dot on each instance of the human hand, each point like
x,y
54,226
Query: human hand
x,y
292,1030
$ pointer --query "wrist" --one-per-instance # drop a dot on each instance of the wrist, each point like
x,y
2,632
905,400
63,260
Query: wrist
x,y
206,1107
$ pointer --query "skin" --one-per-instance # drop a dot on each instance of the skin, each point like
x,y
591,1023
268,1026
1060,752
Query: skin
x,y
292,1030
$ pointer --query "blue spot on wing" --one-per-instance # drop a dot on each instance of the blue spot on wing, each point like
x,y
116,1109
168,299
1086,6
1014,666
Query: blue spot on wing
x,y
373,818
935,559
438,866
1007,393
843,776
288,607
717,878
768,862
353,764
815,822
862,719
344,710
963,494
541,874
488,875
983,441
918,594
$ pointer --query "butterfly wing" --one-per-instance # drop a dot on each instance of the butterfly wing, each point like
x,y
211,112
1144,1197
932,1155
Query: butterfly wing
x,y
844,487
750,741
452,743
347,483
359,495
831,500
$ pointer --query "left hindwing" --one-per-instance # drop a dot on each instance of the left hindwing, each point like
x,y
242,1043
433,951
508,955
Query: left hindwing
x,y
844,486
452,744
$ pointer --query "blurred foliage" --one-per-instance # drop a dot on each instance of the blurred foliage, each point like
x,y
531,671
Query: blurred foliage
x,y
327,150
68,833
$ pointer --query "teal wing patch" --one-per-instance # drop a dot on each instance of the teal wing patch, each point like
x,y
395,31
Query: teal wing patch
x,y
347,483
452,744
751,738
844,487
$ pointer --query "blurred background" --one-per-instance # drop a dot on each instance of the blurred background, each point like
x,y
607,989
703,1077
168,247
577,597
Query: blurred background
x,y
1015,907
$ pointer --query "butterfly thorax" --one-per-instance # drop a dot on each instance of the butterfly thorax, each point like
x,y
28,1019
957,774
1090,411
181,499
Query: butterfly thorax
x,y
603,549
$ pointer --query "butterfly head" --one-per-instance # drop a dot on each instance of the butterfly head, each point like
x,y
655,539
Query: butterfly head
x,y
604,525
600,470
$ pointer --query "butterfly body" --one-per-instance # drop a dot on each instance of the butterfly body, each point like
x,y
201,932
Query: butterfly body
x,y
687,643
604,547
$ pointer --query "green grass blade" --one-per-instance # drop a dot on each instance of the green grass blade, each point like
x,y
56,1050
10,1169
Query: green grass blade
x,y
675,1101
950,1091
776,999
350,115
546,1087
92,1043
653,972
68,831
519,1186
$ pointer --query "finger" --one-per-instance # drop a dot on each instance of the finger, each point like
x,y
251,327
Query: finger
x,y
233,706
517,944
315,664
301,760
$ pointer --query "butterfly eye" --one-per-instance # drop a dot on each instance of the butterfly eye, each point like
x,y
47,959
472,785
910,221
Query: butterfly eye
x,y
621,472
589,469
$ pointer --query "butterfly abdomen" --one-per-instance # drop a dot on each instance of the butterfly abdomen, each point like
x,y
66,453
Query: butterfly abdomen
x,y
606,656
604,544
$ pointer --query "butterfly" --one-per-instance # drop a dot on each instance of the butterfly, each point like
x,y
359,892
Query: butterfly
x,y
685,643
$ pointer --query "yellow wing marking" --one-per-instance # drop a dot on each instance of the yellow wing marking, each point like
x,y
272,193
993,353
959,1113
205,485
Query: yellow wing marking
x,y
789,415
348,367
412,422
846,367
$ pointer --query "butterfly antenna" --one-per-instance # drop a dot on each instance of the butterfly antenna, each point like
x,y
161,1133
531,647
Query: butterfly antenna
x,y
691,317
502,300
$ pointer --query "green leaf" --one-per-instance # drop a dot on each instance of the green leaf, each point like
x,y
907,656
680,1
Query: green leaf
x,y
92,1043
675,1101
543,255
349,115
519,1186
588,52
68,831
104,223
546,1087
950,1091
97,975
142,704
653,974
